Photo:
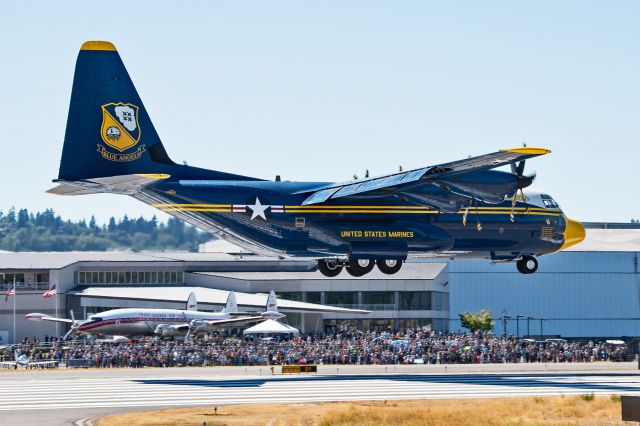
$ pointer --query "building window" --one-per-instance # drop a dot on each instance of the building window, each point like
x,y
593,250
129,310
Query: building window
x,y
336,326
341,298
415,300
421,323
440,301
378,300
382,324
313,297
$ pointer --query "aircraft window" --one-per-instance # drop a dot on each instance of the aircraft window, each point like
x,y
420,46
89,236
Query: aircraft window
x,y
549,202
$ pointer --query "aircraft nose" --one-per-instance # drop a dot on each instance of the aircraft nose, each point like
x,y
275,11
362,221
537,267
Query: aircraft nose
x,y
574,233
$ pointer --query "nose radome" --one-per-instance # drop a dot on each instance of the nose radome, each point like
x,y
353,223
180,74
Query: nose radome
x,y
574,233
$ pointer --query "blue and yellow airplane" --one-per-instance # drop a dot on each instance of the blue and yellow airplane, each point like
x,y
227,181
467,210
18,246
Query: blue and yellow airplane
x,y
463,208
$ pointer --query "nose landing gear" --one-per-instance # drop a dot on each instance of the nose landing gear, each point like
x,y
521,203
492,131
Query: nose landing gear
x,y
527,265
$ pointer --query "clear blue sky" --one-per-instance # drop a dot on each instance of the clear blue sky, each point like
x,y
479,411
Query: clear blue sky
x,y
323,91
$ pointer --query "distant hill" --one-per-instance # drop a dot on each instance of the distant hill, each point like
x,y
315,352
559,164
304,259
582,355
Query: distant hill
x,y
46,231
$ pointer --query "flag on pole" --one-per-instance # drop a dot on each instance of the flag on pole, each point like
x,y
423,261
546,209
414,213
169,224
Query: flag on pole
x,y
11,292
51,292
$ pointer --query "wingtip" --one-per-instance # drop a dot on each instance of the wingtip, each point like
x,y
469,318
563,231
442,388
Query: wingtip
x,y
98,45
528,150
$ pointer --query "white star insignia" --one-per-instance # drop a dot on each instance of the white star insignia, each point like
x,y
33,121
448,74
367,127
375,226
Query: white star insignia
x,y
258,209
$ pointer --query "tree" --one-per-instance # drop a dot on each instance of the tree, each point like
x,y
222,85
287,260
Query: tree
x,y
476,321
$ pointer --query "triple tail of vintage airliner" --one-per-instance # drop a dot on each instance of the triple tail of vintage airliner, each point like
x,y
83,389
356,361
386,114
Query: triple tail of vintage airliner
x,y
462,208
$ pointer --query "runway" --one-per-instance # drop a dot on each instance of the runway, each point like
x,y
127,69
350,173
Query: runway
x,y
77,391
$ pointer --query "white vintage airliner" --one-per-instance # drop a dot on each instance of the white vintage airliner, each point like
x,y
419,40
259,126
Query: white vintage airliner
x,y
164,322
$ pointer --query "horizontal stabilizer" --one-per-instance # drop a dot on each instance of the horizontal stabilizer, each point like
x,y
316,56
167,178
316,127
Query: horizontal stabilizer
x,y
124,184
44,317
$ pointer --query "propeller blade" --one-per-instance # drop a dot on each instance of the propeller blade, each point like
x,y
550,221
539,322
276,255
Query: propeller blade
x,y
525,181
520,168
66,336
186,337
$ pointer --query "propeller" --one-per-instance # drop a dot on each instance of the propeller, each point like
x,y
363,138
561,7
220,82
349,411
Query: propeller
x,y
193,324
522,181
73,327
186,336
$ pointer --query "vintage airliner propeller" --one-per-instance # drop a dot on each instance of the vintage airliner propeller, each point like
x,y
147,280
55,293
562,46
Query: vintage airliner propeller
x,y
73,327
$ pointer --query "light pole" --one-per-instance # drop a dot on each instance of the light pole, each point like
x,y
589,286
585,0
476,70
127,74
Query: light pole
x,y
541,331
528,329
504,318
518,325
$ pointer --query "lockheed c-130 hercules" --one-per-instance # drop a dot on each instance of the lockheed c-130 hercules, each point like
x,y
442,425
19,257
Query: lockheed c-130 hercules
x,y
461,209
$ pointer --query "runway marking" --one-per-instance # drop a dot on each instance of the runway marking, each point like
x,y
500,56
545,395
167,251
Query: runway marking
x,y
37,394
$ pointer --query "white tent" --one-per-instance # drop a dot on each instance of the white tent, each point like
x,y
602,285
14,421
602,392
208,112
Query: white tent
x,y
270,327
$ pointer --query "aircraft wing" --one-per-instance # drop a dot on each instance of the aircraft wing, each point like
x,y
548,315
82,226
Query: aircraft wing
x,y
44,317
463,178
236,321
222,322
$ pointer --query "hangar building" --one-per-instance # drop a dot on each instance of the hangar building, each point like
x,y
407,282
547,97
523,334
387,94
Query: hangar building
x,y
590,290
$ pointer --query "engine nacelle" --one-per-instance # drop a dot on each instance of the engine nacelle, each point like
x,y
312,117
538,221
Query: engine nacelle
x,y
199,326
167,330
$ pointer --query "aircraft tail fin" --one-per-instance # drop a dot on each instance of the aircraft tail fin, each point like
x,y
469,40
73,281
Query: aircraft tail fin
x,y
192,304
109,132
232,305
272,302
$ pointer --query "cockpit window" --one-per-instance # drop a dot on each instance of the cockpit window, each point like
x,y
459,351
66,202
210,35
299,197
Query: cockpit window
x,y
549,202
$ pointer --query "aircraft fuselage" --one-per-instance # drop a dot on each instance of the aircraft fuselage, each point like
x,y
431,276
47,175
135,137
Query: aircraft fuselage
x,y
141,322
266,218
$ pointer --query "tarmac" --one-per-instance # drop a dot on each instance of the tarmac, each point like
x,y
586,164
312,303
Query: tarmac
x,y
65,396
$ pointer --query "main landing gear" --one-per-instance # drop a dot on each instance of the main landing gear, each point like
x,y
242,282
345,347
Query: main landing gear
x,y
357,268
527,265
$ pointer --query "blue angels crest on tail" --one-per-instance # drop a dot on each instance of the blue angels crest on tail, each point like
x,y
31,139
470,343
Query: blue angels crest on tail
x,y
120,130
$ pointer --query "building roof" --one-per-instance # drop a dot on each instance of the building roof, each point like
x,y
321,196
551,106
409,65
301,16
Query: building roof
x,y
58,260
609,240
409,271
204,295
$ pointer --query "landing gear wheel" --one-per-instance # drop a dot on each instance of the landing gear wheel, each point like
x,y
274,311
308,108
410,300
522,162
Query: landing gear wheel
x,y
527,265
329,268
389,266
360,267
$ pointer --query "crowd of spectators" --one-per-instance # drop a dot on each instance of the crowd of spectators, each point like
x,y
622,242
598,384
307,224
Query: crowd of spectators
x,y
347,347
